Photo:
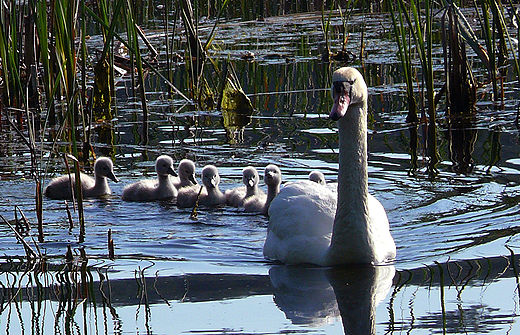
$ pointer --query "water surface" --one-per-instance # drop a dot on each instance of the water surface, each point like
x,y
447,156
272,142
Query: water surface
x,y
455,235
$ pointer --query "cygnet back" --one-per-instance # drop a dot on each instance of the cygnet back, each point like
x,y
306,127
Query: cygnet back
x,y
161,188
61,187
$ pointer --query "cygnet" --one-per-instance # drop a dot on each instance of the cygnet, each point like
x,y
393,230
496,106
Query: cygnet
x,y
61,187
237,196
186,176
161,188
317,177
260,203
210,195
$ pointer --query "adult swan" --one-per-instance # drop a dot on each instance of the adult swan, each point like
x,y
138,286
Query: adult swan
x,y
315,224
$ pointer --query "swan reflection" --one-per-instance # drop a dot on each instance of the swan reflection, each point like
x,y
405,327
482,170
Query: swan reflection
x,y
316,296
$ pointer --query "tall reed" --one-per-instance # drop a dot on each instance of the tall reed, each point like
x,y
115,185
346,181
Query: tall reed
x,y
404,52
420,24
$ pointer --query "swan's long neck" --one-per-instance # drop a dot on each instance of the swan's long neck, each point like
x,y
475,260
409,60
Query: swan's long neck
x,y
350,238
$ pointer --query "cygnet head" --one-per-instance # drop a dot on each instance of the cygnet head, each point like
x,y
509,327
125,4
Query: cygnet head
x,y
348,88
250,177
187,170
210,177
317,177
272,175
164,166
103,167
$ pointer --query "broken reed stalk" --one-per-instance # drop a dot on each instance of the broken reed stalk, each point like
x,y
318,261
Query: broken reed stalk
x,y
193,215
30,253
26,224
79,198
69,216
111,251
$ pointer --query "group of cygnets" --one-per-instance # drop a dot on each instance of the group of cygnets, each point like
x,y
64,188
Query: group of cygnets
x,y
181,186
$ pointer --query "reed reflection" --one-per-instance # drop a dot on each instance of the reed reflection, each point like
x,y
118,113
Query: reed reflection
x,y
315,295
462,135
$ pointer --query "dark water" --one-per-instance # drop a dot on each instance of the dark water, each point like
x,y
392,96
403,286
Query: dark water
x,y
455,235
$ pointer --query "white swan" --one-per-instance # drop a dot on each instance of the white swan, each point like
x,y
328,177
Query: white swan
x,y
186,176
317,177
210,195
60,188
309,223
161,188
260,203
237,196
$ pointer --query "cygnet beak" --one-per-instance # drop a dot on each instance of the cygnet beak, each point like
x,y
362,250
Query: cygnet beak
x,y
113,177
251,181
172,172
214,182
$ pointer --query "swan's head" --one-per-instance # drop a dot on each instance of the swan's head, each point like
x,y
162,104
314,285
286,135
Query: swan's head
x,y
348,88
250,177
164,166
210,176
317,177
187,170
272,175
103,167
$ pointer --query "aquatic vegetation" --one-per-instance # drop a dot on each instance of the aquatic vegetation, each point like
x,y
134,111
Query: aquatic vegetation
x,y
471,203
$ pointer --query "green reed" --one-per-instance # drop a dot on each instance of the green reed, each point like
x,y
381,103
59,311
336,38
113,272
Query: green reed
x,y
419,21
132,34
404,51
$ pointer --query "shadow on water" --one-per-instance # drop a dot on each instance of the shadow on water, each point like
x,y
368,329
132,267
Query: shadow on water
x,y
367,300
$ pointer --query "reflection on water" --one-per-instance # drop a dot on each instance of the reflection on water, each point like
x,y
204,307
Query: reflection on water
x,y
314,296
474,296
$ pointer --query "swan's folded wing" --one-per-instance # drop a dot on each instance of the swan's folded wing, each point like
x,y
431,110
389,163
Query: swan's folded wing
x,y
300,223
380,230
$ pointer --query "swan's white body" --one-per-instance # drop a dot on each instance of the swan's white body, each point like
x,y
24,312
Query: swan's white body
x,y
186,176
161,188
237,196
312,223
209,196
260,203
61,187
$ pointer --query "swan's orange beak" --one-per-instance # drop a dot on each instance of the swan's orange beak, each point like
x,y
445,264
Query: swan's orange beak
x,y
341,102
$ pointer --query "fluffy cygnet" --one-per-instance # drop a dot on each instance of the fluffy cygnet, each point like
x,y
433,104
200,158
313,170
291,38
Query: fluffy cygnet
x,y
61,187
161,188
260,203
210,195
186,176
317,177
237,196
